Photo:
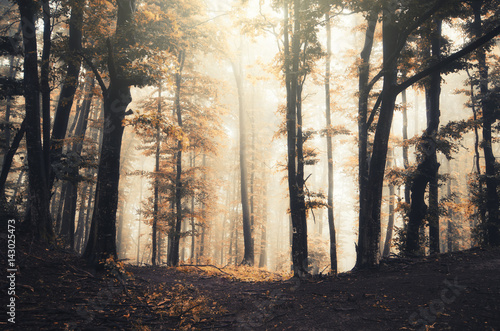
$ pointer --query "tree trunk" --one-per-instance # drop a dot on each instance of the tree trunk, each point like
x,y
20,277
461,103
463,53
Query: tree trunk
x,y
203,217
428,166
80,230
69,214
9,156
294,144
329,149
13,68
369,232
39,198
263,238
364,91
477,156
154,230
433,125
69,86
488,119
390,223
44,84
193,225
406,162
102,239
248,258
174,253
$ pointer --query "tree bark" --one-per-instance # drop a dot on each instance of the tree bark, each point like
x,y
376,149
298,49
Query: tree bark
x,y
248,257
69,214
102,237
9,156
488,119
368,253
68,89
390,224
13,68
329,149
406,162
193,224
39,217
44,83
295,161
154,229
174,253
427,169
364,91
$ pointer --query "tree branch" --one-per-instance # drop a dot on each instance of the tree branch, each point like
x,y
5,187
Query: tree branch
x,y
374,111
375,80
449,59
95,71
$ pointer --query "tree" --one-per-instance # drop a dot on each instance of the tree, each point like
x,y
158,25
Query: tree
x,y
427,169
39,218
298,58
248,258
69,86
331,222
395,33
363,126
488,119
102,240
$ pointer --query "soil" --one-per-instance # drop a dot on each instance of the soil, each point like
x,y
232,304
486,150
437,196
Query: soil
x,y
55,290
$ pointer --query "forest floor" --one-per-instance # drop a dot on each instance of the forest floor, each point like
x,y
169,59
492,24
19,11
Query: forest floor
x,y
55,290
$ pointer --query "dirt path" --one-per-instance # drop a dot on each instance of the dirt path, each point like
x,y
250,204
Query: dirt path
x,y
56,291
459,291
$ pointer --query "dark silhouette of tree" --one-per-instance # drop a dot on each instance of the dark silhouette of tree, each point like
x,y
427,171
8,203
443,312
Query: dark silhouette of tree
x,y
102,238
39,219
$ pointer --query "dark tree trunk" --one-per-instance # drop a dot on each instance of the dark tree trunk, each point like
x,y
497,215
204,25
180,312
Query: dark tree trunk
x,y
69,214
102,237
80,230
263,237
390,223
154,258
58,214
488,119
13,68
477,156
39,197
364,91
174,253
369,232
427,169
406,162
433,126
329,149
9,156
193,224
69,86
248,258
295,163
44,83
203,217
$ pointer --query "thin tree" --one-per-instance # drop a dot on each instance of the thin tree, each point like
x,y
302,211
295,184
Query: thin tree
x,y
173,257
248,258
154,230
329,148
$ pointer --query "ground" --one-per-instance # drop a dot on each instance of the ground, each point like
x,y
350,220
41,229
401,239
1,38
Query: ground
x,y
54,289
